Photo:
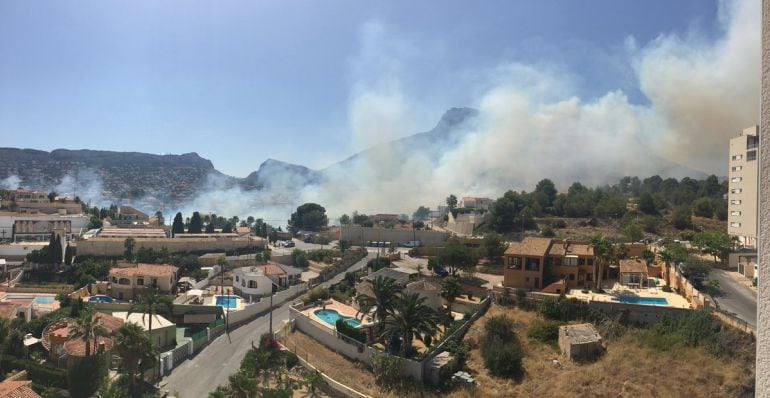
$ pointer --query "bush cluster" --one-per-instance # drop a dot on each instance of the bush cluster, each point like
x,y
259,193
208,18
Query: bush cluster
x,y
349,331
544,331
501,349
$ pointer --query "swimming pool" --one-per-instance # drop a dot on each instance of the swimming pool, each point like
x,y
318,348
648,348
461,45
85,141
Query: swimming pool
x,y
659,301
100,299
44,300
37,299
331,316
229,302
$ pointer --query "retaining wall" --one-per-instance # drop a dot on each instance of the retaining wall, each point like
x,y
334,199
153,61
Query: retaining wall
x,y
357,234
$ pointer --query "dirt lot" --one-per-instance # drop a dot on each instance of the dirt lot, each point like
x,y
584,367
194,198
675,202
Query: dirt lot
x,y
628,369
579,228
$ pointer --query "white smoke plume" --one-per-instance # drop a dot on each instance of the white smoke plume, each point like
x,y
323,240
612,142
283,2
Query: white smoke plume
x,y
532,124
10,182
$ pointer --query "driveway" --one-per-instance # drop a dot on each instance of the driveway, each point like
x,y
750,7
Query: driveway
x,y
201,374
736,297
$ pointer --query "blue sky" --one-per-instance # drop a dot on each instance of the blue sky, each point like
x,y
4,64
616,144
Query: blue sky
x,y
243,81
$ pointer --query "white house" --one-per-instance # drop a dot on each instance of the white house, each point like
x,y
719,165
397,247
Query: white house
x,y
257,281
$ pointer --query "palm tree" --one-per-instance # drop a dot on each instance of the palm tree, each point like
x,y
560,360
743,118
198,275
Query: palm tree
x,y
411,318
603,253
314,381
152,304
242,385
89,328
385,291
220,392
450,290
135,350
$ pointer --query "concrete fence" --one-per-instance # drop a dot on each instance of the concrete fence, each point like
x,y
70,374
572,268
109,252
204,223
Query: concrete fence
x,y
357,234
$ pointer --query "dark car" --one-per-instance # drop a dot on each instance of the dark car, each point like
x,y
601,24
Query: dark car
x,y
288,243
440,271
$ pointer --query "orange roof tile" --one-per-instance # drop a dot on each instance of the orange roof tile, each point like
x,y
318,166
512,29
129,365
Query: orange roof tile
x,y
156,270
17,389
633,266
529,247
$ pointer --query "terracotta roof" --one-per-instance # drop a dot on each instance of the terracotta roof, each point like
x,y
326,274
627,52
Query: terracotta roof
x,y
271,269
17,389
8,310
77,347
156,270
529,247
564,248
633,266
243,230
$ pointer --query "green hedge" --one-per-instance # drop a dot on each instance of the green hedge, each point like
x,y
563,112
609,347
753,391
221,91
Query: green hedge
x,y
39,374
347,330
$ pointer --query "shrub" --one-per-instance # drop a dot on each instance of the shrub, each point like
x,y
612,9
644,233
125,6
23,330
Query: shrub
x,y
316,294
667,289
387,371
291,360
500,347
544,331
39,374
547,232
349,331
504,360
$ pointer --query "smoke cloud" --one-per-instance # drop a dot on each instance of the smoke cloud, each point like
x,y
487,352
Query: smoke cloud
x,y
532,124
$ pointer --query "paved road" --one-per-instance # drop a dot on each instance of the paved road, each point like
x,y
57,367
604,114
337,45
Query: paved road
x,y
736,297
200,375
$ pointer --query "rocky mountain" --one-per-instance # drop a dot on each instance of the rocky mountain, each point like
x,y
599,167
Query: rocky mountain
x,y
160,181
112,175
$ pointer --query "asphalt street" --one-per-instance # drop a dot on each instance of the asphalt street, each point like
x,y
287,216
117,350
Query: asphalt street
x,y
198,376
736,297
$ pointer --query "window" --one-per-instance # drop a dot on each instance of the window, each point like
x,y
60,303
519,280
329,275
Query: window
x,y
737,168
736,190
252,284
243,283
236,278
114,280
735,224
572,277
751,155
737,157
532,264
736,179
573,261
124,281
140,281
526,279
590,261
154,281
735,213
735,202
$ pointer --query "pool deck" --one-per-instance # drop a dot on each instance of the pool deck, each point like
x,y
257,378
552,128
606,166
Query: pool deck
x,y
618,290
23,297
342,308
240,303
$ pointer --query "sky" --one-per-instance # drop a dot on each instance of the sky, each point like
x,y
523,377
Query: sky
x,y
307,82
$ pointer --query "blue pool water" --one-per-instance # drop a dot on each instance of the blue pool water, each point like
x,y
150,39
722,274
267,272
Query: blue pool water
x,y
229,302
659,301
331,316
37,299
100,299
44,300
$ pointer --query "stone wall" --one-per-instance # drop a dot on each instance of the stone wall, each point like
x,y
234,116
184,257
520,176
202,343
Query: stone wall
x,y
357,234
113,247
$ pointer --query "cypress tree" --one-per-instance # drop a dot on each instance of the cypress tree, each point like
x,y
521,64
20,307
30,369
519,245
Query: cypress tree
x,y
178,226
196,225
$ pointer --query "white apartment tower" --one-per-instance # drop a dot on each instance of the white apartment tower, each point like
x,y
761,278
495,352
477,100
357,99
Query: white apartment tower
x,y
742,196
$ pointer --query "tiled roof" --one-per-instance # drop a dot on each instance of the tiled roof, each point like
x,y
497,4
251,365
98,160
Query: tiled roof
x,y
17,389
7,310
529,247
565,248
156,270
633,266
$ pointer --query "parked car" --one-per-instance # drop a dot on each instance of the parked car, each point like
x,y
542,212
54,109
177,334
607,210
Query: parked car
x,y
440,271
413,243
288,243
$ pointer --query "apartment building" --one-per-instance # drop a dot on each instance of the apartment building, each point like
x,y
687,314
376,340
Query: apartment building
x,y
742,198
570,262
